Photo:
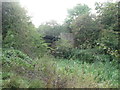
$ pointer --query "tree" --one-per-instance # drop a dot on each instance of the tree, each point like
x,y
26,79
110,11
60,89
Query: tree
x,y
73,13
51,28
108,15
15,23
18,31
86,31
13,17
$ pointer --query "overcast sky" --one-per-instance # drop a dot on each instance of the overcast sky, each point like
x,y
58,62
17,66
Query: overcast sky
x,y
46,10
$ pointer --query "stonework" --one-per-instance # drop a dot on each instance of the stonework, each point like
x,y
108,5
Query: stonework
x,y
68,37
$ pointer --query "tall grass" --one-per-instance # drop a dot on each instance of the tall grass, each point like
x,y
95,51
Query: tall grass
x,y
75,73
50,72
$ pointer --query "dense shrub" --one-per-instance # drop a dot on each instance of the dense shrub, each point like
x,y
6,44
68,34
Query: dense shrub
x,y
64,73
88,55
18,70
16,60
62,52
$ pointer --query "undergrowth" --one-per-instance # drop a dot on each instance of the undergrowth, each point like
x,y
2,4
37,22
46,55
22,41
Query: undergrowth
x,y
49,72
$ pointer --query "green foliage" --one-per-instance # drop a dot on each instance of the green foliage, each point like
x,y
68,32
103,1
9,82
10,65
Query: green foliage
x,y
51,28
62,44
62,52
13,17
14,59
37,46
108,15
78,10
86,31
63,73
108,42
37,84
92,62
16,68
83,25
87,55
19,32
15,81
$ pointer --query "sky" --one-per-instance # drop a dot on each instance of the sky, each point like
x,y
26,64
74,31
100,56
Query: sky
x,y
46,10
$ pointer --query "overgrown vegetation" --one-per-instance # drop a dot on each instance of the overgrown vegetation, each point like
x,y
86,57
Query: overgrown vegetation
x,y
30,61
